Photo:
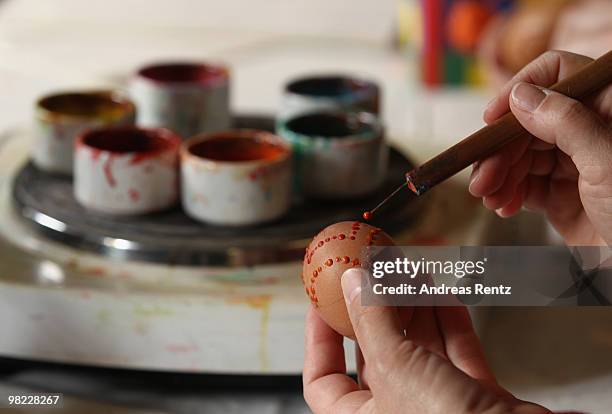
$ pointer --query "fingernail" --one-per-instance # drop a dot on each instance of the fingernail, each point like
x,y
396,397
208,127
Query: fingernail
x,y
527,96
500,212
474,177
351,284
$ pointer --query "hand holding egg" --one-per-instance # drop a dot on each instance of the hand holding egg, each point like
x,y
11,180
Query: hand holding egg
x,y
334,250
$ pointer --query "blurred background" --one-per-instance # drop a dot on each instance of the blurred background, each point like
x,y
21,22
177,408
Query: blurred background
x,y
166,339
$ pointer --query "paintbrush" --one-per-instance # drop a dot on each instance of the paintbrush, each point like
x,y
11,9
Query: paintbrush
x,y
592,78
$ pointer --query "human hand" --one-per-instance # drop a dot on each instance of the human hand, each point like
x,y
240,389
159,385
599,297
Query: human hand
x,y
564,168
413,360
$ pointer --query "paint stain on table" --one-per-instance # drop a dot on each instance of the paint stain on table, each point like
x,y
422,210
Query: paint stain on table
x,y
262,303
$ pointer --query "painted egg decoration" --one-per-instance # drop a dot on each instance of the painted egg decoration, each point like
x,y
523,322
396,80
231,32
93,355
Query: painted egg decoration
x,y
334,250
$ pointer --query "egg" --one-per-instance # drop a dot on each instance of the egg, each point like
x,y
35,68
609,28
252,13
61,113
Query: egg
x,y
334,250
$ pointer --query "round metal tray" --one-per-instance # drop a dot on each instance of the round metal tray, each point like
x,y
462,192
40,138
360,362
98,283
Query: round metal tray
x,y
46,201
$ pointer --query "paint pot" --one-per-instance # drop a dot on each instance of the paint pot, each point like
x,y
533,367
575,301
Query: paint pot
x,y
188,98
61,117
126,170
236,177
329,92
337,155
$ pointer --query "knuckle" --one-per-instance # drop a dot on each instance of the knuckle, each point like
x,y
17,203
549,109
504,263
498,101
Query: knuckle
x,y
414,355
307,395
550,56
553,54
413,358
561,108
571,110
365,316
310,397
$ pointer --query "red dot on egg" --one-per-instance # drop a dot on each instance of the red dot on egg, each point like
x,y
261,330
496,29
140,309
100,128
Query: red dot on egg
x,y
327,296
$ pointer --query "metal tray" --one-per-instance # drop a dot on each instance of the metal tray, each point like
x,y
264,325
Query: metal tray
x,y
46,202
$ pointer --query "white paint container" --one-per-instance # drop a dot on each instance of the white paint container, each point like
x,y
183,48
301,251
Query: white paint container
x,y
61,117
188,98
237,177
337,155
126,170
329,92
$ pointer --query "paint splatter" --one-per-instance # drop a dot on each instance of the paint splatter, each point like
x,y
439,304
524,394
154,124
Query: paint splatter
x,y
108,171
95,154
134,194
98,271
261,302
152,311
181,348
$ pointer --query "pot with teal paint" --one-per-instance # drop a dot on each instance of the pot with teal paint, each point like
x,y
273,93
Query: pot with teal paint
x,y
337,155
329,92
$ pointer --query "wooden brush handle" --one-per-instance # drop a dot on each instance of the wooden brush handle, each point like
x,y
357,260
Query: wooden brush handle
x,y
592,78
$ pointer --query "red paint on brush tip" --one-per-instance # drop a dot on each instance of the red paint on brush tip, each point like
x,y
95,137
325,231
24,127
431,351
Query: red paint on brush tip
x,y
367,215
412,187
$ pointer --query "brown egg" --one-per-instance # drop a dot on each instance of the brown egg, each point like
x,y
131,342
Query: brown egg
x,y
527,33
334,250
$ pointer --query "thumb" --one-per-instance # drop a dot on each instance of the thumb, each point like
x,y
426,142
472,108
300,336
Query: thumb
x,y
566,123
403,376
377,328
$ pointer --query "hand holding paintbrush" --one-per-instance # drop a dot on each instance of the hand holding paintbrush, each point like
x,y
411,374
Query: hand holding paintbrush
x,y
571,138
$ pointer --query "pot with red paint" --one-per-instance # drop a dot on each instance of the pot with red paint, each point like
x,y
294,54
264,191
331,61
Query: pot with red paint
x,y
187,97
61,117
127,170
236,177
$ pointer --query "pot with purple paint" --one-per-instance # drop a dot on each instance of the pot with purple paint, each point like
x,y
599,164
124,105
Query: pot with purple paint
x,y
61,117
127,170
331,93
186,97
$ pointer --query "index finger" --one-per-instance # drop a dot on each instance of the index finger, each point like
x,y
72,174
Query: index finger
x,y
545,70
324,377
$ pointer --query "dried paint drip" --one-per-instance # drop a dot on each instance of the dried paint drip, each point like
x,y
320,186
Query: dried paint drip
x,y
134,194
333,251
108,171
